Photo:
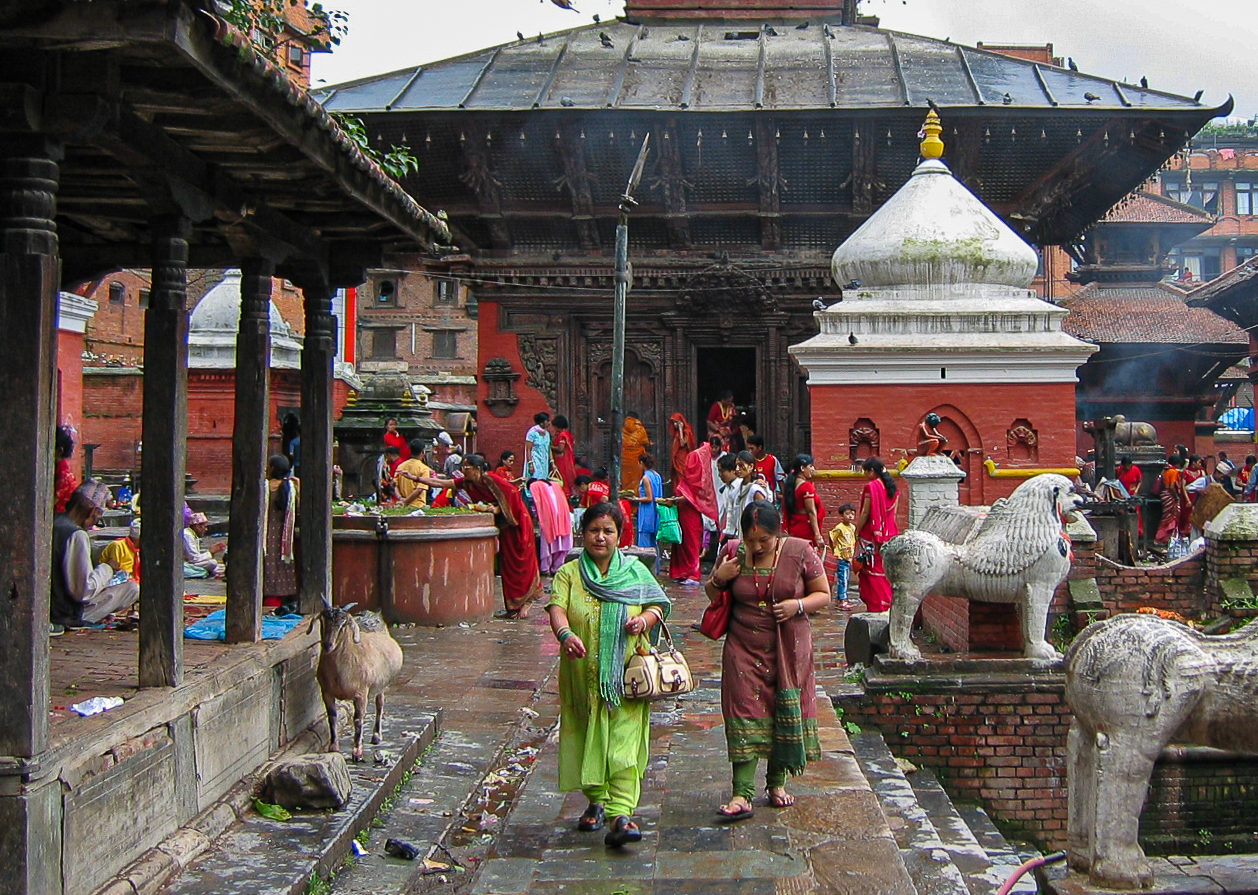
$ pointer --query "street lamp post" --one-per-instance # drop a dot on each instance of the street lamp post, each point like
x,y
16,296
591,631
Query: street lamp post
x,y
624,275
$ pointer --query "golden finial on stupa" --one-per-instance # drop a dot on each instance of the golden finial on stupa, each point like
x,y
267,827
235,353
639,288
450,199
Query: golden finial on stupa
x,y
932,146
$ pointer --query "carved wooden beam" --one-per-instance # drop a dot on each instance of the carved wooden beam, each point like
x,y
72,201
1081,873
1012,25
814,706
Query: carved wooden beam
x,y
478,173
864,178
672,185
771,183
576,179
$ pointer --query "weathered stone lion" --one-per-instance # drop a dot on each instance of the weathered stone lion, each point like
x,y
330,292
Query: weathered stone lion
x,y
1134,682
1019,555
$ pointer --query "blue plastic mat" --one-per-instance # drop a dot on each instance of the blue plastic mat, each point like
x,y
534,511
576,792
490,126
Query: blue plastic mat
x,y
214,626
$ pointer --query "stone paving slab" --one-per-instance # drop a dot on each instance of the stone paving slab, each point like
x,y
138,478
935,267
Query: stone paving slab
x,y
1223,875
835,839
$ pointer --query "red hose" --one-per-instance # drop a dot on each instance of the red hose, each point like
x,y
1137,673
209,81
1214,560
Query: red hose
x,y
1030,865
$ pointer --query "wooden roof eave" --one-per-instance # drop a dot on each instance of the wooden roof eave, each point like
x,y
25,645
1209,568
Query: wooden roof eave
x,y
304,124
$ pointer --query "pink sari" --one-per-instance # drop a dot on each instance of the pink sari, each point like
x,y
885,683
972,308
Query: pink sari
x,y
555,520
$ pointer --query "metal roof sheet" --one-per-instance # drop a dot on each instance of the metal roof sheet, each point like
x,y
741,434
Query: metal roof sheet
x,y
718,66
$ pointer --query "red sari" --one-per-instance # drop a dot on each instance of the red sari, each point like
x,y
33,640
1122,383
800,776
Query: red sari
x,y
798,525
683,442
517,553
563,449
875,589
64,484
696,487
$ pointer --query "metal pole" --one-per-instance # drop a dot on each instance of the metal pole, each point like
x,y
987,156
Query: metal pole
x,y
618,350
624,274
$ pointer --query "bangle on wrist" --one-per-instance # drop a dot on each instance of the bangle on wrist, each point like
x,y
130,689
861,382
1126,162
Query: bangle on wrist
x,y
801,607
563,634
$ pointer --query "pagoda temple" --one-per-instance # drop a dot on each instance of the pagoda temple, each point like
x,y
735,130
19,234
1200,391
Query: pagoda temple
x,y
775,133
1161,357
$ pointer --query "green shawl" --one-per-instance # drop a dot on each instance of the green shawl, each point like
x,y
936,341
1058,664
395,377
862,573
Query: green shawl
x,y
627,583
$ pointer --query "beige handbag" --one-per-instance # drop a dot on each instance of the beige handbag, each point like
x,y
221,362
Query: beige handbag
x,y
658,672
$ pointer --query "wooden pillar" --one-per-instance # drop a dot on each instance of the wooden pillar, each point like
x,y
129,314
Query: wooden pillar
x,y
246,531
29,280
165,437
315,509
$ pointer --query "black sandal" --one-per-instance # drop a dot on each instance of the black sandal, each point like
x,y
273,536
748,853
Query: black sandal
x,y
592,819
623,832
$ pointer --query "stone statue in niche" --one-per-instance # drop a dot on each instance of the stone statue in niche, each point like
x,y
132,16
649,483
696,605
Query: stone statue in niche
x,y
1134,682
1022,442
1019,555
929,439
864,441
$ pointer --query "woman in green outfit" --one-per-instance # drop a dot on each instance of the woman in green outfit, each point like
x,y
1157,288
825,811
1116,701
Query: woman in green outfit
x,y
603,605
768,690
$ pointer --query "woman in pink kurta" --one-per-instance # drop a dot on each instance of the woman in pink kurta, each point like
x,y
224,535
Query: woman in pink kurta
x,y
875,525
695,498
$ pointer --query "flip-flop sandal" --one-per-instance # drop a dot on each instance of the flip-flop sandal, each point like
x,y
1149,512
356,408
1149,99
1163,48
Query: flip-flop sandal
x,y
592,819
782,801
849,605
623,832
735,817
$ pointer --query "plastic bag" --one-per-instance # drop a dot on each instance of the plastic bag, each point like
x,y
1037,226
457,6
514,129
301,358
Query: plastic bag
x,y
670,528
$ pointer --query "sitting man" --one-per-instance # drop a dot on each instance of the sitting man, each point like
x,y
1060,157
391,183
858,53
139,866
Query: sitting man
x,y
124,553
194,558
84,593
930,439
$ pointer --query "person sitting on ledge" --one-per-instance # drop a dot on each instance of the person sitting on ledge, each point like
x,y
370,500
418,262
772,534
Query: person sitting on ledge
x,y
930,439
198,563
124,553
84,593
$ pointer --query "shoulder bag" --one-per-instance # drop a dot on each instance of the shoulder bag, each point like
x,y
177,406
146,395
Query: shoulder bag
x,y
658,672
715,621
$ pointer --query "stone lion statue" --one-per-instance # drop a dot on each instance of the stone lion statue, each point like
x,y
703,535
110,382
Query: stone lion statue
x,y
1019,555
1133,683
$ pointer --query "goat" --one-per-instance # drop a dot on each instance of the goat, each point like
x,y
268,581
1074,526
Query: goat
x,y
358,660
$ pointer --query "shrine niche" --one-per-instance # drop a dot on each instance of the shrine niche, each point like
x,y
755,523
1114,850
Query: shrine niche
x,y
864,440
1022,441
501,377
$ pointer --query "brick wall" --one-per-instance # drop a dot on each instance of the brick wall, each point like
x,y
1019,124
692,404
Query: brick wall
x,y
1224,560
70,385
1176,586
406,303
497,434
1000,739
113,399
1003,746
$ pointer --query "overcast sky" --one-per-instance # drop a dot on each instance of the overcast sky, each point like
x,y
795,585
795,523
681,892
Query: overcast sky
x,y
1180,46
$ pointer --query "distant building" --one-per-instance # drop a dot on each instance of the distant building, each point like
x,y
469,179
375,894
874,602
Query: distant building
x,y
1220,177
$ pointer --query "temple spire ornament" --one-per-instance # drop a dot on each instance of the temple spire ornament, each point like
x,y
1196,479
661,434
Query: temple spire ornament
x,y
932,146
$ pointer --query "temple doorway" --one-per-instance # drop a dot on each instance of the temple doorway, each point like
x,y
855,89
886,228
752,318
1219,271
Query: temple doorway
x,y
718,369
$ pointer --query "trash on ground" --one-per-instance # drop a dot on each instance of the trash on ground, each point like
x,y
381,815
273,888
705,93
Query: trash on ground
x,y
399,848
274,812
97,704
358,848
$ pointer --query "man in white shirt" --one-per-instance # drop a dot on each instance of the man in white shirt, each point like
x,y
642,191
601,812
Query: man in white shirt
x,y
83,592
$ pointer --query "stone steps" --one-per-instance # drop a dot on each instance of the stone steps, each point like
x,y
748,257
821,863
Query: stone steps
x,y
258,856
944,853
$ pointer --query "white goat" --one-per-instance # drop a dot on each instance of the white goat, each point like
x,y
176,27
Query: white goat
x,y
359,659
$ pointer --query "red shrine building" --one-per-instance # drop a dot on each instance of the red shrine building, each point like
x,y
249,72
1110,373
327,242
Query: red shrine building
x,y
774,133
943,320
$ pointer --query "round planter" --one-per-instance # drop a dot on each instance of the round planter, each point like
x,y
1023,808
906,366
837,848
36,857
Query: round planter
x,y
426,570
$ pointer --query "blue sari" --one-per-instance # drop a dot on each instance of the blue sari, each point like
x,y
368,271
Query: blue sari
x,y
648,513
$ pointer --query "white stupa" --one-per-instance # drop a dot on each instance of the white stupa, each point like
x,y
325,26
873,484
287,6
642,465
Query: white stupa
x,y
935,286
215,323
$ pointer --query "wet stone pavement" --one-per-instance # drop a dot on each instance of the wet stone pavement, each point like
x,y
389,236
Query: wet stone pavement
x,y
482,805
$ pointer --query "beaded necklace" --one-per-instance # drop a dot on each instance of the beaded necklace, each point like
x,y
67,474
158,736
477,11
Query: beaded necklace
x,y
755,576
